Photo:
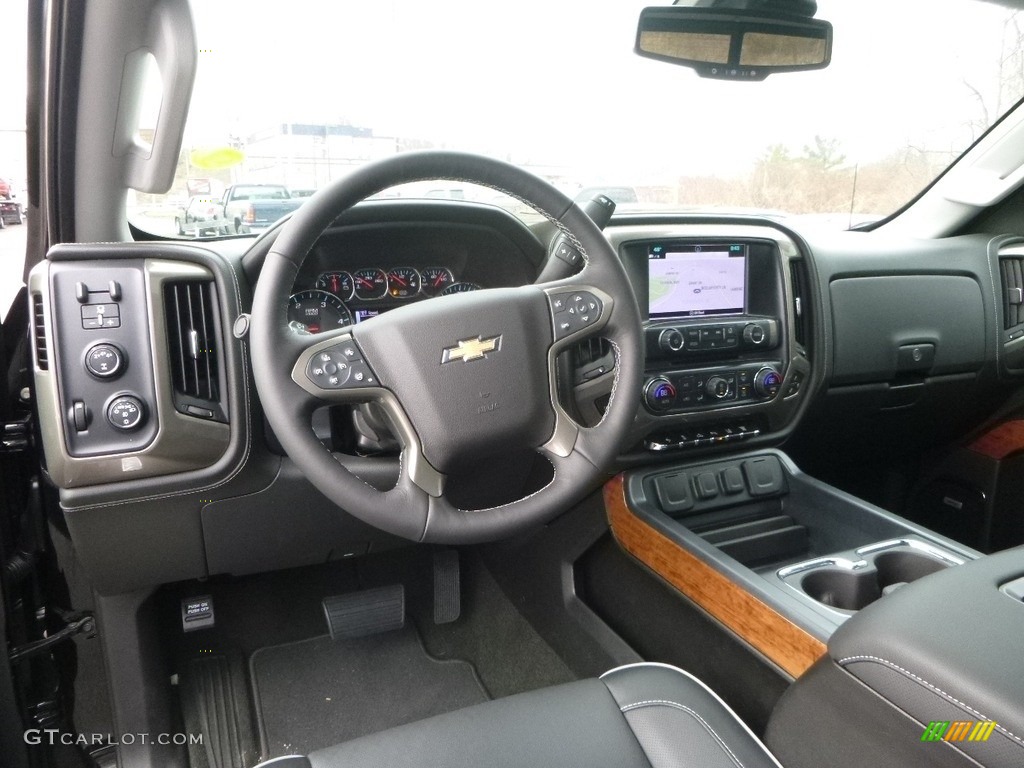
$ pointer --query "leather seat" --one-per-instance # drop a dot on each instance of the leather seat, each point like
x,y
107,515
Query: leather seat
x,y
638,716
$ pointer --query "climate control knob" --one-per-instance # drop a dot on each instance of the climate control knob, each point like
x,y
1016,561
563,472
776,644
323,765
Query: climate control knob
x,y
671,340
767,382
660,394
718,387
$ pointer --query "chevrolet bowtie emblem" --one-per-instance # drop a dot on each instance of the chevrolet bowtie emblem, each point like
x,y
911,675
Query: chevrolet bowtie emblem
x,y
471,349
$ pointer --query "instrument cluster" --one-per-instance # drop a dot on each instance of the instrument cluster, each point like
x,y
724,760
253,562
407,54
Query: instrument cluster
x,y
340,298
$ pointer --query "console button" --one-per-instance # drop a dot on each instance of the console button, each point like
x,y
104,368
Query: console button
x,y
706,485
763,475
104,361
126,413
674,492
671,340
732,480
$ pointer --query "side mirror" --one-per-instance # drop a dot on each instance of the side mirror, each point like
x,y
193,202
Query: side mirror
x,y
733,45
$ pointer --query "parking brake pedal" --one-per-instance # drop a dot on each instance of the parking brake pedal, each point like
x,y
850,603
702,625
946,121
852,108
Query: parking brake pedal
x,y
447,586
368,612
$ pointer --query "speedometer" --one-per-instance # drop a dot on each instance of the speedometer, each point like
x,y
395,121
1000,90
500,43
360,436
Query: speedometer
x,y
460,288
317,311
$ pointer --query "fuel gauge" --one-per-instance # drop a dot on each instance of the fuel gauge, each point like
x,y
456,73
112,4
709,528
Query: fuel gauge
x,y
338,283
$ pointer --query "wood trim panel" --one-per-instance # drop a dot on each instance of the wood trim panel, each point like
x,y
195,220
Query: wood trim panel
x,y
771,633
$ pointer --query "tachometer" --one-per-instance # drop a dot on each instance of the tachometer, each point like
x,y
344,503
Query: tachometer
x,y
436,279
403,283
338,283
460,288
370,284
316,311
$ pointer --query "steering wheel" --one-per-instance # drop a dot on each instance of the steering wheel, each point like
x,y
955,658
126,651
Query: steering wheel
x,y
469,375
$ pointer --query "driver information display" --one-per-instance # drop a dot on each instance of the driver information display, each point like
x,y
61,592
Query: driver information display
x,y
696,280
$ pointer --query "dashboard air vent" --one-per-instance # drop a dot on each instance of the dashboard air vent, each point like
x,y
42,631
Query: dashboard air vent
x,y
39,332
591,358
801,302
193,341
1012,270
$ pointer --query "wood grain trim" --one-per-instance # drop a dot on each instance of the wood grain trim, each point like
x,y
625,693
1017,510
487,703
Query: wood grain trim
x,y
786,644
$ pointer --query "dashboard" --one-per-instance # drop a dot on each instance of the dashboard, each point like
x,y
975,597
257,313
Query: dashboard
x,y
154,438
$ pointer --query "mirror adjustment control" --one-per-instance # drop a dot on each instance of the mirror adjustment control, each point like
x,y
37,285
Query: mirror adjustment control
x,y
105,361
660,394
126,412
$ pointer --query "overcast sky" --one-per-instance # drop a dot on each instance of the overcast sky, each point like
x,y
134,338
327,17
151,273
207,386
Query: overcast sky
x,y
555,81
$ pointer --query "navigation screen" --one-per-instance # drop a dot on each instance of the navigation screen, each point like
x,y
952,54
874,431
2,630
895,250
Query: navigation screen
x,y
695,280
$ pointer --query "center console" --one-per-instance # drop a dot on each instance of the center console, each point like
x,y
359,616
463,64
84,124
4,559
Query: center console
x,y
724,333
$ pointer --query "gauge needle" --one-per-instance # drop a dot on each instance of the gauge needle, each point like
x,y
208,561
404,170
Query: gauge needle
x,y
440,279
398,280
364,281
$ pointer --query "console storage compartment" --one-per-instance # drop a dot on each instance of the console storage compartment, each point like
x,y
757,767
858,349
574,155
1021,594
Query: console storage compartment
x,y
804,553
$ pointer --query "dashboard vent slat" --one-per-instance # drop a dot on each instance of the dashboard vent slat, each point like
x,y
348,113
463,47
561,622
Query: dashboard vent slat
x,y
801,304
193,345
1012,272
39,332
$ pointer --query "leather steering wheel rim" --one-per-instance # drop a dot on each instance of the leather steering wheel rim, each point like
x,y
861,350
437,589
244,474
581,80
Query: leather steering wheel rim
x,y
525,327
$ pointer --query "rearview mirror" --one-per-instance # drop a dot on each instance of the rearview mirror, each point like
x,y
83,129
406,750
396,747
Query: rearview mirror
x,y
733,45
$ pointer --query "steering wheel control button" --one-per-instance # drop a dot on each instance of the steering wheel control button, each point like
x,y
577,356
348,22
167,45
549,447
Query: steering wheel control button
x,y
574,312
340,367
126,413
105,361
567,253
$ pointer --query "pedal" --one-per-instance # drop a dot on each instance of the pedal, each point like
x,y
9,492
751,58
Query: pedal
x,y
368,612
215,703
447,586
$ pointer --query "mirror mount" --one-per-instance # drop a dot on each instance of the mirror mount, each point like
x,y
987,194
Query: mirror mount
x,y
734,44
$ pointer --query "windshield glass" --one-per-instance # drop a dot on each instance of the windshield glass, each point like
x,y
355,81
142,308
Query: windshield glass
x,y
296,98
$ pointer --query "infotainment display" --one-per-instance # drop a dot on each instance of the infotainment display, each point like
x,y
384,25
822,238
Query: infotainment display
x,y
695,280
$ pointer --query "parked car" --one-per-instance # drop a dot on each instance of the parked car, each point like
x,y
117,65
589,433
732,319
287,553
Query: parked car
x,y
11,212
202,215
254,207
406,482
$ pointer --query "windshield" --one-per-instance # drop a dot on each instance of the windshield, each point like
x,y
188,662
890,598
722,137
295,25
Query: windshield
x,y
295,99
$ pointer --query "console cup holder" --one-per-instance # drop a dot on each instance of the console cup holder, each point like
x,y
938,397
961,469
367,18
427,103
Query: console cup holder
x,y
848,585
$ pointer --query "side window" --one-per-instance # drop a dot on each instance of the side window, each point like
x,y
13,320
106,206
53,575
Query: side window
x,y
13,161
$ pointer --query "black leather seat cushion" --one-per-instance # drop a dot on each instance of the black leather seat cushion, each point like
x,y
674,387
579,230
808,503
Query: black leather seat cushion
x,y
642,716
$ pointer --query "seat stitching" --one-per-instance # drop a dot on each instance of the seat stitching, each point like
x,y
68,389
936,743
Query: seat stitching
x,y
937,690
698,718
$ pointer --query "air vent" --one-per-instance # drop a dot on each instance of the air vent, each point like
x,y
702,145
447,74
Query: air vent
x,y
801,302
1013,290
39,331
591,358
193,342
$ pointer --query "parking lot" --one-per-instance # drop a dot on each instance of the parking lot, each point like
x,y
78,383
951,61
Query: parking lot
x,y
12,260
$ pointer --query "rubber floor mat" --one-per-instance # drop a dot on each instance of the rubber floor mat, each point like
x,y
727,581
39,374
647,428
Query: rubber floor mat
x,y
319,692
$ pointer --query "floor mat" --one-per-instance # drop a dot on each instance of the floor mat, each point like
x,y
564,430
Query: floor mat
x,y
319,692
